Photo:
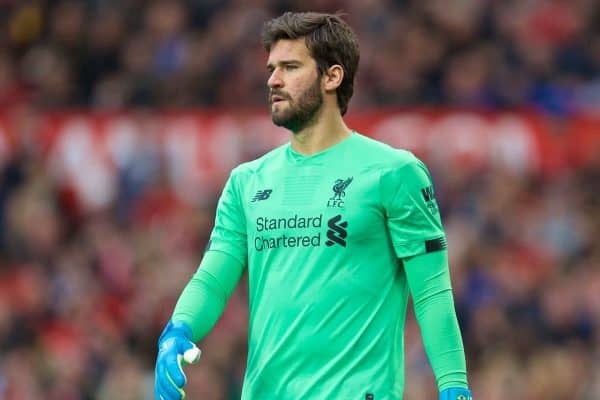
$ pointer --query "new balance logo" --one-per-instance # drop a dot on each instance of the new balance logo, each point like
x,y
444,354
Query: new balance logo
x,y
262,195
337,232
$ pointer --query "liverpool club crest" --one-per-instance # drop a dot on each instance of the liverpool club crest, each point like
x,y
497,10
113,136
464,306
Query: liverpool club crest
x,y
339,192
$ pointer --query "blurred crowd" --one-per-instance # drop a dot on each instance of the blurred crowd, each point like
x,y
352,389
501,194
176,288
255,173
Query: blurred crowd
x,y
84,295
179,53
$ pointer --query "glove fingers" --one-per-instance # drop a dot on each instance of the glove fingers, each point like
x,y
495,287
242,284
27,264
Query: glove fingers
x,y
160,393
165,386
174,369
167,390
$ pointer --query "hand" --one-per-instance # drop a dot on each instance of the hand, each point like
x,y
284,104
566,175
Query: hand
x,y
175,349
456,394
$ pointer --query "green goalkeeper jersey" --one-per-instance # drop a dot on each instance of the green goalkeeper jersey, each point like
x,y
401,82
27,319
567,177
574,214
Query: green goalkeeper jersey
x,y
322,236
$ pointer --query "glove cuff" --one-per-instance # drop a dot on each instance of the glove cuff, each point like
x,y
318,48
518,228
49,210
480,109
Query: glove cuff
x,y
175,328
456,394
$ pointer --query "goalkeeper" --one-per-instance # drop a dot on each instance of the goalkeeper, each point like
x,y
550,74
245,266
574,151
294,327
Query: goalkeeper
x,y
335,230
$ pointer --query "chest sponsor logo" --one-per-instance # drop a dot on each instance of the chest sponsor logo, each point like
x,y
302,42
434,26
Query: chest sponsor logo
x,y
339,192
303,235
337,232
299,231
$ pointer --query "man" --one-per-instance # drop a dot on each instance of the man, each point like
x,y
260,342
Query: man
x,y
335,229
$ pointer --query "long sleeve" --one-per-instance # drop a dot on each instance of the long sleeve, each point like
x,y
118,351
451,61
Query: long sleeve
x,y
429,282
204,298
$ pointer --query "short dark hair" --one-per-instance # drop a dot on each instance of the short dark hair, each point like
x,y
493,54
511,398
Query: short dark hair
x,y
329,39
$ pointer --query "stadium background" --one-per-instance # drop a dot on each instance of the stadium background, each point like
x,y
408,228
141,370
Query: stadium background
x,y
120,120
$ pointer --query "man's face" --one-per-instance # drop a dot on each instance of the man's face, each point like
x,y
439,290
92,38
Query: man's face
x,y
295,86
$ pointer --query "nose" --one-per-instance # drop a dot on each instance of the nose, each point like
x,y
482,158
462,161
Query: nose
x,y
275,80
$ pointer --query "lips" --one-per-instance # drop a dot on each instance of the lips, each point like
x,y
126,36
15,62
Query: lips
x,y
277,98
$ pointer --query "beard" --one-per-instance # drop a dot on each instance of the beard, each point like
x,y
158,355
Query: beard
x,y
301,112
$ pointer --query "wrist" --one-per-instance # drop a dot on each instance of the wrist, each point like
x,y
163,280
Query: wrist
x,y
175,328
456,394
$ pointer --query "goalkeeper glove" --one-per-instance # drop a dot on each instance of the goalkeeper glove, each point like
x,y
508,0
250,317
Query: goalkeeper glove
x,y
175,349
456,394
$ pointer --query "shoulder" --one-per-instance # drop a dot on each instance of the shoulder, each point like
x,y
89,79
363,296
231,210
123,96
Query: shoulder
x,y
264,164
383,155
396,167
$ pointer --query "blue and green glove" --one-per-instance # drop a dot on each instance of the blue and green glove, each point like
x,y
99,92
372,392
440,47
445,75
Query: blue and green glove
x,y
456,394
175,349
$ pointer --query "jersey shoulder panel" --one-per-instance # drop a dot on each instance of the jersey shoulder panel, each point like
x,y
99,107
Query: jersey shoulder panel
x,y
382,154
269,162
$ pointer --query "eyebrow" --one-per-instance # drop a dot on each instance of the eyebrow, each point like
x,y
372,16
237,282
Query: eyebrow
x,y
283,63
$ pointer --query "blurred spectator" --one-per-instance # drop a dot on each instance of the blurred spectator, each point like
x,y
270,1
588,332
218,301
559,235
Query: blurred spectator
x,y
83,295
477,53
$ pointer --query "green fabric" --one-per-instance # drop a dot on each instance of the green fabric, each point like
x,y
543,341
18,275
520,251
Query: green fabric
x,y
429,282
204,298
411,218
321,236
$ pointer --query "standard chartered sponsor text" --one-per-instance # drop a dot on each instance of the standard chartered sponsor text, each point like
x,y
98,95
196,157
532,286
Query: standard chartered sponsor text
x,y
294,222
288,239
262,243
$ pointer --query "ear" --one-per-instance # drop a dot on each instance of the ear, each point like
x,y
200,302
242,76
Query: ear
x,y
332,78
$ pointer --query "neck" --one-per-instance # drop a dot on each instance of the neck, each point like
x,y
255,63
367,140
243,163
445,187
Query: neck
x,y
326,130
